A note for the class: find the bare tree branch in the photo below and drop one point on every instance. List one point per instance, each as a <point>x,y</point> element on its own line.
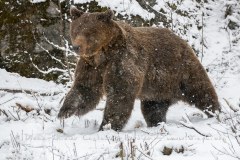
<point>188,124</point>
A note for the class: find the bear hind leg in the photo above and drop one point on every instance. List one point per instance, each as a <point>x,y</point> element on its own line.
<point>154,112</point>
<point>202,95</point>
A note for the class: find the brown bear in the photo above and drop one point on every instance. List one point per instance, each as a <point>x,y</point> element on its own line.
<point>125,63</point>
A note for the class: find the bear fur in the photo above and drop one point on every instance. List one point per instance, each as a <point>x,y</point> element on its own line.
<point>125,63</point>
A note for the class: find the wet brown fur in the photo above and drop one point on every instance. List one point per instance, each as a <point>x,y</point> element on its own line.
<point>125,63</point>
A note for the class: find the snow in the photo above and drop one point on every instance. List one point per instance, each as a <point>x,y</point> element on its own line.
<point>125,7</point>
<point>37,134</point>
<point>15,81</point>
<point>37,1</point>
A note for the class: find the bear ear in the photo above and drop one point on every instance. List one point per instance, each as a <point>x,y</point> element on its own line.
<point>107,16</point>
<point>75,13</point>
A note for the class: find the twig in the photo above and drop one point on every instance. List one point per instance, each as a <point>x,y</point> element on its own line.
<point>225,152</point>
<point>152,145</point>
<point>108,139</point>
<point>54,58</point>
<point>102,155</point>
<point>48,71</point>
<point>7,100</point>
<point>132,145</point>
<point>189,125</point>
<point>52,149</point>
<point>230,106</point>
<point>60,48</point>
<point>146,132</point>
<point>4,112</point>
<point>75,150</point>
<point>121,153</point>
<point>64,40</point>
<point>40,106</point>
<point>66,59</point>
<point>4,143</point>
<point>18,114</point>
<point>229,38</point>
<point>144,154</point>
<point>28,92</point>
<point>15,143</point>
<point>13,115</point>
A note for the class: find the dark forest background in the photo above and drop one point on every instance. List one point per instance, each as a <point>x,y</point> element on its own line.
<point>32,34</point>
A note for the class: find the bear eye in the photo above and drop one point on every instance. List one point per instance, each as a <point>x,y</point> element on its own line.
<point>93,39</point>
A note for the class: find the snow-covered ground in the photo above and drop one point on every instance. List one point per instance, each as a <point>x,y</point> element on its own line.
<point>30,130</point>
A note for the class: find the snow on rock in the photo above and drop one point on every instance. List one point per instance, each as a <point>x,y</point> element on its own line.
<point>37,1</point>
<point>125,7</point>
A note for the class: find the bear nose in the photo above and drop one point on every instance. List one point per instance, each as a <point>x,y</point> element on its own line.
<point>76,49</point>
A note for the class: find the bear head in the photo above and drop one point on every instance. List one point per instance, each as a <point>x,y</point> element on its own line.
<point>90,32</point>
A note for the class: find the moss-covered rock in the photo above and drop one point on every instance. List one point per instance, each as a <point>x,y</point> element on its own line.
<point>26,27</point>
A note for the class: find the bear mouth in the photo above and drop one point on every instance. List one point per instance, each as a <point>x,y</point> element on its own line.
<point>94,59</point>
<point>84,56</point>
<point>90,56</point>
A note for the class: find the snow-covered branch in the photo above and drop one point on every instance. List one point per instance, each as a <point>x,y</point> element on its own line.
<point>188,124</point>
<point>29,91</point>
<point>61,48</point>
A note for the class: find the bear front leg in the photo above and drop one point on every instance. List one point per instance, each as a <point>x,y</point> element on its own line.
<point>79,101</point>
<point>71,103</point>
<point>117,112</point>
<point>121,88</point>
<point>85,92</point>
